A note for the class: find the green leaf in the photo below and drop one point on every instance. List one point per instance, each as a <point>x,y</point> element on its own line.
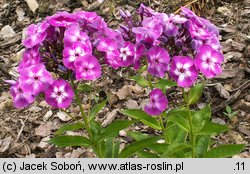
<point>96,128</point>
<point>174,133</point>
<point>113,129</point>
<point>85,88</point>
<point>164,83</point>
<point>180,117</point>
<point>67,141</point>
<point>142,69</point>
<point>228,109</point>
<point>137,146</point>
<point>224,151</point>
<point>174,148</point>
<point>202,145</point>
<point>195,93</point>
<point>200,118</point>
<point>111,148</point>
<point>212,129</point>
<point>144,154</point>
<point>96,109</point>
<point>140,81</point>
<point>137,136</point>
<point>143,117</point>
<point>70,127</point>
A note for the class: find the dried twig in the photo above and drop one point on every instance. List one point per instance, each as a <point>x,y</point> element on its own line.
<point>232,98</point>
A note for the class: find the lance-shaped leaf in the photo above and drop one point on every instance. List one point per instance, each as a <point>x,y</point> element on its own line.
<point>67,141</point>
<point>143,117</point>
<point>224,151</point>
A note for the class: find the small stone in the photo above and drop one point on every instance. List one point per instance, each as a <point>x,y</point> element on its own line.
<point>43,143</point>
<point>31,156</point>
<point>132,104</point>
<point>7,32</point>
<point>5,144</point>
<point>35,109</point>
<point>33,5</point>
<point>143,103</point>
<point>47,115</point>
<point>247,98</point>
<point>18,56</point>
<point>44,130</point>
<point>63,116</point>
<point>109,118</point>
<point>59,155</point>
<point>218,120</point>
<point>77,153</point>
<point>124,92</point>
<point>222,91</point>
<point>43,104</point>
<point>123,133</point>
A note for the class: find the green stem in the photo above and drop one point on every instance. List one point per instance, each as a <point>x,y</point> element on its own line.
<point>150,81</point>
<point>85,119</point>
<point>191,133</point>
<point>163,128</point>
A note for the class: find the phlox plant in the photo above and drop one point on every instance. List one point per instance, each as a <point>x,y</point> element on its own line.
<point>63,58</point>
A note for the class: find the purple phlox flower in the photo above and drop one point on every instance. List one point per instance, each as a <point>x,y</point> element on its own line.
<point>62,19</point>
<point>21,99</point>
<point>126,54</point>
<point>170,23</point>
<point>91,21</point>
<point>71,53</point>
<point>158,102</point>
<point>109,46</point>
<point>158,59</point>
<point>145,35</point>
<point>115,35</point>
<point>73,34</point>
<point>209,61</point>
<point>87,68</point>
<point>35,34</point>
<point>31,56</point>
<point>35,79</point>
<point>60,94</point>
<point>212,41</point>
<point>198,32</point>
<point>187,12</point>
<point>145,11</point>
<point>140,50</point>
<point>10,82</point>
<point>106,45</point>
<point>199,21</point>
<point>183,71</point>
<point>154,25</point>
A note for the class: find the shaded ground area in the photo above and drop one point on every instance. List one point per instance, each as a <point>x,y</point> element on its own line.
<point>23,133</point>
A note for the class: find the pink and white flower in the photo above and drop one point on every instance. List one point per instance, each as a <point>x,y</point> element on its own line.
<point>74,34</point>
<point>71,53</point>
<point>87,68</point>
<point>158,102</point>
<point>35,79</point>
<point>158,59</point>
<point>31,56</point>
<point>183,71</point>
<point>209,61</point>
<point>21,99</point>
<point>60,94</point>
<point>35,34</point>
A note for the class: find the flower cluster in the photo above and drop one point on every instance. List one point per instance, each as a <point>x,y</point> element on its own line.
<point>180,45</point>
<point>74,45</point>
<point>63,46</point>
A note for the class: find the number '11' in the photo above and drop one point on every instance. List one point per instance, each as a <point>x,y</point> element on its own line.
<point>240,166</point>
